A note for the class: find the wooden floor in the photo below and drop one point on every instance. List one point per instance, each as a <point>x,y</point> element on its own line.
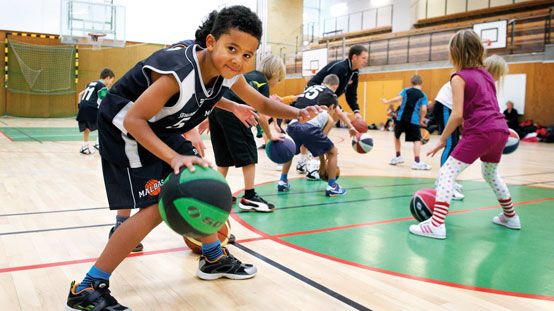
<point>54,223</point>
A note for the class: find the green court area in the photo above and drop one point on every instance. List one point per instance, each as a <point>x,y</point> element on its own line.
<point>45,133</point>
<point>50,134</point>
<point>369,227</point>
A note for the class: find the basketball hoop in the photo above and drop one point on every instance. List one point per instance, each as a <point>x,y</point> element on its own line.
<point>488,43</point>
<point>96,39</point>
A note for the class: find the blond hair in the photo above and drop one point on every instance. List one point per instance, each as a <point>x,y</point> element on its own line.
<point>466,50</point>
<point>496,66</point>
<point>272,66</point>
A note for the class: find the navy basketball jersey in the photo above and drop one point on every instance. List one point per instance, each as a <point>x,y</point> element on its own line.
<point>181,113</point>
<point>257,80</point>
<point>93,94</point>
<point>317,95</point>
<point>412,100</point>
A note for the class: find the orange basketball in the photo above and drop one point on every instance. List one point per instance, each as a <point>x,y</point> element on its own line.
<point>425,136</point>
<point>360,125</point>
<point>223,234</point>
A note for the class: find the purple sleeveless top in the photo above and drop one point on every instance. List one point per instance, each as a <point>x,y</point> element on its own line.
<point>481,111</point>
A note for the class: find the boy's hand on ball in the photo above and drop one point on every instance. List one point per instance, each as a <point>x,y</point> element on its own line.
<point>188,161</point>
<point>277,136</point>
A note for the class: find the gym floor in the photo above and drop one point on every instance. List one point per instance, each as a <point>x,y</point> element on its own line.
<point>313,253</point>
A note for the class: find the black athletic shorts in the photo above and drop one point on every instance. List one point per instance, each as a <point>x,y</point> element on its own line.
<point>413,131</point>
<point>87,116</point>
<point>233,143</point>
<point>92,126</point>
<point>139,187</point>
<point>311,136</point>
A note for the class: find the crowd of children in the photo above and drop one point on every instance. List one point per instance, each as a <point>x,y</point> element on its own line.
<point>143,117</point>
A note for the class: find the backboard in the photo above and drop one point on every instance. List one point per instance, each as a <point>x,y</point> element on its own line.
<point>93,22</point>
<point>313,61</point>
<point>493,34</point>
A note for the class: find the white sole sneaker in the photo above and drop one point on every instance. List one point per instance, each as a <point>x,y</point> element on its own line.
<point>421,166</point>
<point>246,205</point>
<point>426,229</point>
<point>396,160</point>
<point>508,222</point>
<point>457,195</point>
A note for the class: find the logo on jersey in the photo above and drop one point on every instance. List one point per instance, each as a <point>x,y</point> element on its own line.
<point>151,188</point>
<point>257,85</point>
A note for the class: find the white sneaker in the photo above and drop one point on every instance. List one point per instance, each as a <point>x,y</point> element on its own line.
<point>396,160</point>
<point>313,175</point>
<point>279,167</point>
<point>301,167</point>
<point>421,166</point>
<point>425,228</point>
<point>85,150</point>
<point>458,187</point>
<point>508,222</point>
<point>457,195</point>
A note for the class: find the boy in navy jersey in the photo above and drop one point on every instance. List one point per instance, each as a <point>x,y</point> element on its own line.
<point>409,119</point>
<point>140,125</point>
<point>313,134</point>
<point>89,101</point>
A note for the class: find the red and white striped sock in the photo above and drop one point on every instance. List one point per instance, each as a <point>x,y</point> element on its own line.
<point>507,207</point>
<point>439,213</point>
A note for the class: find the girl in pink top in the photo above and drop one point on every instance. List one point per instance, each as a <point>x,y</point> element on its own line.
<point>484,137</point>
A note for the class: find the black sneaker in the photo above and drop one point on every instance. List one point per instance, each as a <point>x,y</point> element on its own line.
<point>137,248</point>
<point>256,203</point>
<point>232,239</point>
<point>94,298</point>
<point>226,266</point>
<point>85,150</point>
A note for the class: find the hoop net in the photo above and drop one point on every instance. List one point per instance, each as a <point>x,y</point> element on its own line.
<point>96,39</point>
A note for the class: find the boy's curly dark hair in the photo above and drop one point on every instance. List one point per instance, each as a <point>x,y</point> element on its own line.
<point>237,16</point>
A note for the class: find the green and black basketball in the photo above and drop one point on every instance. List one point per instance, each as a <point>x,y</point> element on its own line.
<point>195,204</point>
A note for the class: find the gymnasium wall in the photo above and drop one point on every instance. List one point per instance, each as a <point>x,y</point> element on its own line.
<point>91,62</point>
<point>2,64</point>
<point>32,105</point>
<point>119,60</point>
<point>539,93</point>
<point>436,8</point>
<point>284,25</point>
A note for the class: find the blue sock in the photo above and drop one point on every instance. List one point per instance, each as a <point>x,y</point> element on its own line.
<point>284,177</point>
<point>119,220</point>
<point>332,181</point>
<point>212,251</point>
<point>92,275</point>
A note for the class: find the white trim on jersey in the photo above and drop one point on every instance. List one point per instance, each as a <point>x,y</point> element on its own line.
<point>131,151</point>
<point>200,74</point>
<point>131,186</point>
<point>230,82</point>
<point>120,116</point>
<point>186,91</point>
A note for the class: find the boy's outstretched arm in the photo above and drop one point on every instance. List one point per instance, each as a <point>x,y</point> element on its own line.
<point>270,106</point>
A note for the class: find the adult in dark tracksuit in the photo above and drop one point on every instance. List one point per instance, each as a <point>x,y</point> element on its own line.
<point>348,71</point>
<point>442,110</point>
